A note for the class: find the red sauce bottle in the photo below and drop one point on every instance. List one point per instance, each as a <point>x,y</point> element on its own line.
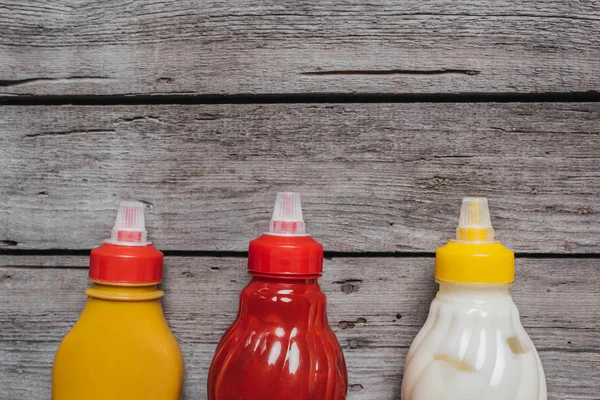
<point>281,347</point>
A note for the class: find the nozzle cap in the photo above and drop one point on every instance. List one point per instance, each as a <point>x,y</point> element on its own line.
<point>285,256</point>
<point>286,251</point>
<point>474,224</point>
<point>287,217</point>
<point>130,226</point>
<point>127,258</point>
<point>474,257</point>
<point>126,265</point>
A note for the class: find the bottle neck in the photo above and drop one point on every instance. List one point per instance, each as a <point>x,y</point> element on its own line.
<point>114,292</point>
<point>470,291</point>
<point>286,279</point>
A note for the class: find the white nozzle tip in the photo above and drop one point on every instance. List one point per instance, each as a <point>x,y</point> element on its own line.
<point>287,215</point>
<point>474,224</point>
<point>475,213</point>
<point>130,226</point>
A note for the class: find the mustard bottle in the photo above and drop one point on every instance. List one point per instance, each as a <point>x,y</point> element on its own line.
<point>121,348</point>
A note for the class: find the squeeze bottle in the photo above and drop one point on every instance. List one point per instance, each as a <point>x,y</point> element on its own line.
<point>281,346</point>
<point>121,347</point>
<point>473,346</point>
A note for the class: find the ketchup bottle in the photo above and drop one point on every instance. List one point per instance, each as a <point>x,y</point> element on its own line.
<point>281,345</point>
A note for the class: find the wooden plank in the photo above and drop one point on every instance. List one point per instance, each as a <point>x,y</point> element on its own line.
<point>109,47</point>
<point>374,177</point>
<point>376,306</point>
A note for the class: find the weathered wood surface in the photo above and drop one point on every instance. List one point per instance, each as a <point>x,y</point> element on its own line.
<point>109,47</point>
<point>374,177</point>
<point>376,306</point>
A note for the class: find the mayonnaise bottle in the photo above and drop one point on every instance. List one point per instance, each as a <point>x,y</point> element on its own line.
<point>473,346</point>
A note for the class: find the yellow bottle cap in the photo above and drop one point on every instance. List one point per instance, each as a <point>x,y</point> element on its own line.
<point>474,256</point>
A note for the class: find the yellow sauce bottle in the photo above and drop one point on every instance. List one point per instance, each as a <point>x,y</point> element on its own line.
<point>121,348</point>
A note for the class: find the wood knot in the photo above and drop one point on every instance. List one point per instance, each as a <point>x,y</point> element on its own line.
<point>345,324</point>
<point>147,204</point>
<point>349,285</point>
<point>349,288</point>
<point>438,181</point>
<point>351,324</point>
<point>357,387</point>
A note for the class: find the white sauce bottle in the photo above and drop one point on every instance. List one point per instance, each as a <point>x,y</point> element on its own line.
<point>473,346</point>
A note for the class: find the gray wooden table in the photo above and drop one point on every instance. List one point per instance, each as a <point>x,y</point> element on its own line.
<point>382,114</point>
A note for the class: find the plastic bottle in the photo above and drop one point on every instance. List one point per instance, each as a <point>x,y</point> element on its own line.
<point>473,346</point>
<point>281,345</point>
<point>121,347</point>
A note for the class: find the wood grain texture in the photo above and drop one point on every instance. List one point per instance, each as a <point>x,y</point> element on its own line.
<point>110,47</point>
<point>376,307</point>
<point>374,177</point>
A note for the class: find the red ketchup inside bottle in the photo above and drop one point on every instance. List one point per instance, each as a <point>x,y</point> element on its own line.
<point>281,345</point>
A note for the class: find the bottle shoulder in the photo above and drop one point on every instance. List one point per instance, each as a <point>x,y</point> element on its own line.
<point>99,360</point>
<point>109,332</point>
<point>280,317</point>
<point>481,344</point>
<point>495,318</point>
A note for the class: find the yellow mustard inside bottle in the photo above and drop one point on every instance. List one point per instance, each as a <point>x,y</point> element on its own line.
<point>121,347</point>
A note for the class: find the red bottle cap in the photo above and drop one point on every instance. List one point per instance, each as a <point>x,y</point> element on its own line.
<point>127,257</point>
<point>126,264</point>
<point>285,255</point>
<point>286,250</point>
